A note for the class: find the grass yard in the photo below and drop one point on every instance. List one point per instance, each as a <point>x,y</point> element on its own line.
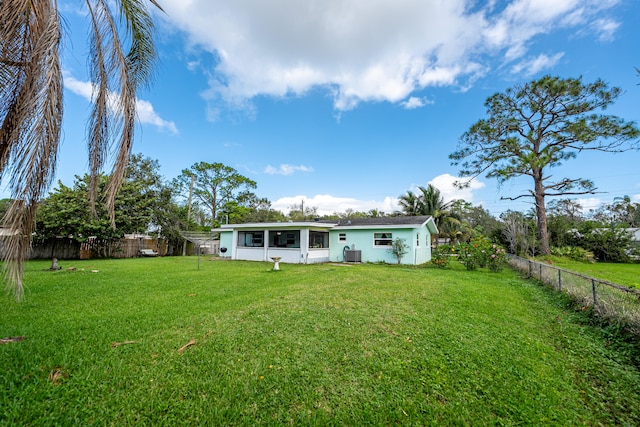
<point>622,274</point>
<point>308,345</point>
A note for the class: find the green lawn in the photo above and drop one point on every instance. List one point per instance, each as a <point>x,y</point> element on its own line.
<point>622,274</point>
<point>308,345</point>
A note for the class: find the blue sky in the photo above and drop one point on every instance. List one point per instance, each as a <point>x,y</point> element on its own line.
<point>347,104</point>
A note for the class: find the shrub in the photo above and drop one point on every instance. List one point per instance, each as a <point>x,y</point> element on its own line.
<point>497,258</point>
<point>399,249</point>
<point>440,255</point>
<point>469,255</point>
<point>575,253</point>
<point>482,253</point>
<point>484,249</point>
<point>607,244</point>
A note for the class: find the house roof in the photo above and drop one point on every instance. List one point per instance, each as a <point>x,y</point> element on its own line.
<point>384,220</point>
<point>388,222</point>
<point>352,223</point>
<point>291,224</point>
<point>635,234</point>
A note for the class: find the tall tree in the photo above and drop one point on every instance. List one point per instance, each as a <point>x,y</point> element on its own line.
<point>138,205</point>
<point>121,57</point>
<point>569,208</point>
<point>300,212</point>
<point>537,126</point>
<point>433,203</point>
<point>564,215</point>
<point>215,185</point>
<point>428,201</point>
<point>5,204</point>
<point>410,203</point>
<point>249,208</point>
<point>476,218</point>
<point>518,233</point>
<point>622,212</point>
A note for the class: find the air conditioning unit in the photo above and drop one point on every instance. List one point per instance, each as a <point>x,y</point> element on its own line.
<point>351,255</point>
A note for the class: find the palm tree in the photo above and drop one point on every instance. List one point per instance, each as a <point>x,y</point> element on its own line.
<point>121,60</point>
<point>429,201</point>
<point>410,204</point>
<point>433,203</point>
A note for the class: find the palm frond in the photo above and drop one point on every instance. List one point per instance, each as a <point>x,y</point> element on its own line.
<point>31,107</point>
<point>31,117</point>
<point>119,73</point>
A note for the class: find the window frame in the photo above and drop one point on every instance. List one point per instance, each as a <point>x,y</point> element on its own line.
<point>286,239</point>
<point>256,243</point>
<point>385,236</point>
<point>324,236</point>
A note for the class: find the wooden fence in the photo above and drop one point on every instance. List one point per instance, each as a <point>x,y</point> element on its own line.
<point>65,248</point>
<point>123,248</point>
<point>61,248</point>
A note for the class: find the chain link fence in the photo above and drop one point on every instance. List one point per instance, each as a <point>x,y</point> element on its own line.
<point>616,303</point>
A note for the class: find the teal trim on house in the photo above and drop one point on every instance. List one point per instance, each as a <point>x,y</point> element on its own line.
<point>323,241</point>
<point>226,239</point>
<point>372,237</point>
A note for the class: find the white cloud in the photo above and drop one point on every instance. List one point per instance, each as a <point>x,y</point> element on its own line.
<point>589,203</point>
<point>445,183</point>
<point>145,110</point>
<point>532,66</point>
<point>193,65</point>
<point>84,89</point>
<point>606,28</point>
<point>147,114</point>
<point>327,204</point>
<point>415,102</point>
<point>231,144</point>
<point>285,169</point>
<point>363,50</point>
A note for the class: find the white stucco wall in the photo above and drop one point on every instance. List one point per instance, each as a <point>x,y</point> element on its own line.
<point>290,255</point>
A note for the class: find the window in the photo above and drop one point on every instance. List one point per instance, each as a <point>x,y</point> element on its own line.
<point>342,237</point>
<point>318,239</point>
<point>251,239</point>
<point>382,239</point>
<point>284,239</point>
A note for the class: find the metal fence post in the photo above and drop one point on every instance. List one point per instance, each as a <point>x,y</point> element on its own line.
<point>559,279</point>
<point>628,314</point>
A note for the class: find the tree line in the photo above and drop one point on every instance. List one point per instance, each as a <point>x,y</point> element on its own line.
<point>207,195</point>
<point>201,198</point>
<point>604,233</point>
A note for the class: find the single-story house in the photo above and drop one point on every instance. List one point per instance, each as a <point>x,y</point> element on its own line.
<point>347,240</point>
<point>635,236</point>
